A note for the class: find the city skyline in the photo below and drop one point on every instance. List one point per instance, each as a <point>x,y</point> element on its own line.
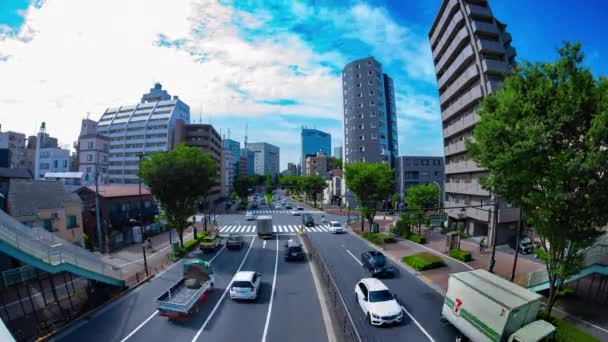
<point>283,52</point>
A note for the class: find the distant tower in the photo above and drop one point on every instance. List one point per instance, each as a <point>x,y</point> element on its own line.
<point>39,143</point>
<point>245,135</point>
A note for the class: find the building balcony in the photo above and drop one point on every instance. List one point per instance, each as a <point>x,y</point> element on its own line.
<point>449,7</point>
<point>449,54</point>
<point>465,56</point>
<point>155,131</point>
<point>494,67</point>
<point>156,140</point>
<point>458,147</point>
<point>465,79</point>
<point>506,37</point>
<point>471,188</point>
<point>478,214</point>
<point>463,167</point>
<point>465,101</point>
<point>130,167</point>
<point>115,167</point>
<point>465,123</point>
<point>490,46</point>
<point>485,28</point>
<point>447,36</point>
<point>478,11</point>
<point>493,86</point>
<point>134,141</point>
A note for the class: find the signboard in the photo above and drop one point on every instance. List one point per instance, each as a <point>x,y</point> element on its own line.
<point>437,219</point>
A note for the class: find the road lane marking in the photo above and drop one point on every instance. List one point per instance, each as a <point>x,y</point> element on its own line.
<point>198,333</point>
<point>140,326</point>
<point>354,257</point>
<point>218,253</point>
<point>264,244</point>
<point>274,284</point>
<point>418,324</point>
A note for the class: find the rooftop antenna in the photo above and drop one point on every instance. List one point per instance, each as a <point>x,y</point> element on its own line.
<point>200,115</point>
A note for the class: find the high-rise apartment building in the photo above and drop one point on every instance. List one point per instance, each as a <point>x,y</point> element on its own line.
<point>313,141</point>
<point>266,161</point>
<point>208,140</point>
<point>472,54</point>
<point>93,152</point>
<point>235,155</point>
<point>15,143</point>
<point>292,168</point>
<point>370,119</point>
<point>417,170</point>
<point>338,152</point>
<point>146,127</point>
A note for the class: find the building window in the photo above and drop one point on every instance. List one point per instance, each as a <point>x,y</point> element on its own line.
<point>89,169</point>
<point>374,136</point>
<point>55,164</point>
<point>360,116</point>
<point>361,148</point>
<point>373,125</point>
<point>70,222</point>
<point>89,157</point>
<point>358,85</point>
<point>65,163</point>
<point>372,115</point>
<point>105,158</point>
<point>90,145</point>
<point>361,137</point>
<point>48,224</point>
<point>372,103</point>
<point>361,126</point>
<point>105,147</point>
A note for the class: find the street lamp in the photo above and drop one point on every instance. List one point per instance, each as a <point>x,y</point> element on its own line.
<point>438,197</point>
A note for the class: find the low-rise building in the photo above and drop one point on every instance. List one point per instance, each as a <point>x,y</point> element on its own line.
<point>93,150</point>
<point>15,143</point>
<point>67,178</point>
<point>6,174</point>
<point>317,165</point>
<point>418,170</point>
<point>48,205</point>
<point>118,205</point>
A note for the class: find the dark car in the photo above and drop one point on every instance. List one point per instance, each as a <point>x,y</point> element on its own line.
<point>234,240</point>
<point>293,250</point>
<point>525,245</point>
<point>308,220</point>
<point>376,264</point>
<point>288,206</point>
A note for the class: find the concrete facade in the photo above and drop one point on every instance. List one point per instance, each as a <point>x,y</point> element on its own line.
<point>418,170</point>
<point>146,127</point>
<point>317,165</point>
<point>15,143</point>
<point>472,54</point>
<point>369,113</point>
<point>93,152</point>
<point>313,141</point>
<point>266,160</point>
<point>337,152</point>
<point>208,140</point>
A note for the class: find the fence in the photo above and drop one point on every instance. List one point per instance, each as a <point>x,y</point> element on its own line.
<point>343,324</point>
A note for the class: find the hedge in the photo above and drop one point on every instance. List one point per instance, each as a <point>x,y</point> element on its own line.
<point>461,255</point>
<point>567,332</point>
<point>417,238</point>
<point>188,245</point>
<point>378,238</point>
<point>423,261</point>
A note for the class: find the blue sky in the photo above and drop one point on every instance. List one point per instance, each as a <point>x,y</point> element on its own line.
<point>273,65</point>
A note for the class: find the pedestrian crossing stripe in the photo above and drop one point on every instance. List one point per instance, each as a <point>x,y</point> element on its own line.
<point>275,228</point>
<point>277,211</point>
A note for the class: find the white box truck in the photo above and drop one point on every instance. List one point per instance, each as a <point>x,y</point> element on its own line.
<point>486,307</point>
<point>264,227</point>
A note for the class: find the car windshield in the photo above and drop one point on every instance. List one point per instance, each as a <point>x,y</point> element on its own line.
<point>378,260</point>
<point>208,239</point>
<point>234,238</point>
<point>335,224</point>
<point>241,284</point>
<point>300,208</point>
<point>380,296</point>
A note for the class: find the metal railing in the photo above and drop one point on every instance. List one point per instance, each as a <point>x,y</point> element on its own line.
<point>344,326</point>
<point>51,249</point>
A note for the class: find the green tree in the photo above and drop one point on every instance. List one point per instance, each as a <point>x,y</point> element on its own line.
<point>313,186</point>
<point>336,163</point>
<point>395,201</point>
<point>419,200</point>
<point>268,184</point>
<point>544,140</point>
<point>371,183</point>
<point>178,178</point>
<point>242,184</point>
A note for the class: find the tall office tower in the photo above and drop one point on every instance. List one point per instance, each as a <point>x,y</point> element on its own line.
<point>146,127</point>
<point>266,161</point>
<point>370,119</point>
<point>313,141</point>
<point>472,54</point>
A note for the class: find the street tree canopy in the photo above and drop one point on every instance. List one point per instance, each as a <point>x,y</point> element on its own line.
<point>312,186</point>
<point>544,140</point>
<point>420,198</point>
<point>178,178</point>
<point>371,183</point>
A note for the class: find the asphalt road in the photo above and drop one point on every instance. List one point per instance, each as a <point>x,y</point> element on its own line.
<point>289,313</point>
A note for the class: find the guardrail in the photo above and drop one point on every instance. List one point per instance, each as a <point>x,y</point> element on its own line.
<point>50,249</point>
<point>344,326</point>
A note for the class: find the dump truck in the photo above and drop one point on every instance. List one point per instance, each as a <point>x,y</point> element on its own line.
<point>264,227</point>
<point>183,298</point>
<point>485,307</point>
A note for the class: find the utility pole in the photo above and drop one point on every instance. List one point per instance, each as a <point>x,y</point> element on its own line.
<point>521,223</point>
<point>141,222</point>
<point>494,234</point>
<point>100,236</point>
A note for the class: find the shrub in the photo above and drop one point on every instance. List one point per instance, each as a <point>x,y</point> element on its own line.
<point>443,230</point>
<point>423,261</point>
<point>417,238</point>
<point>88,244</point>
<point>378,238</point>
<point>565,331</point>
<point>461,255</point>
<point>188,245</point>
<point>389,239</point>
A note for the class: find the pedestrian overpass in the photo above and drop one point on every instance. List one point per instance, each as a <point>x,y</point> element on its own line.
<point>42,249</point>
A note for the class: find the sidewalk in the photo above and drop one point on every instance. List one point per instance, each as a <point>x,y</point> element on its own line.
<point>591,318</point>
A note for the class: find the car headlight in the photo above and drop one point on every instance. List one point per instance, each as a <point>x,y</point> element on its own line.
<point>375,316</point>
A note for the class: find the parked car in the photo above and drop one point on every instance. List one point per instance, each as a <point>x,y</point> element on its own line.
<point>278,206</point>
<point>249,216</point>
<point>336,227</point>
<point>377,302</point>
<point>375,263</point>
<point>293,250</point>
<point>288,206</point>
<point>296,212</point>
<point>308,220</point>
<point>245,285</point>
<point>234,240</point>
<point>525,245</point>
<point>210,243</point>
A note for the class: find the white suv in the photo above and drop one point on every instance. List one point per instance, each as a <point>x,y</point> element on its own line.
<point>377,302</point>
<point>335,227</point>
<point>245,285</point>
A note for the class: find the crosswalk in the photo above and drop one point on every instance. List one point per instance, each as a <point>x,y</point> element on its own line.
<point>323,228</point>
<point>271,211</point>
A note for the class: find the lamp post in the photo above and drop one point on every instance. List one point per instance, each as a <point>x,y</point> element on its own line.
<point>141,222</point>
<point>438,197</point>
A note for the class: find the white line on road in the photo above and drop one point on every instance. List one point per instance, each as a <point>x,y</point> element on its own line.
<point>274,284</point>
<point>418,324</point>
<point>140,326</point>
<point>264,244</point>
<point>198,333</point>
<point>354,257</point>
<point>218,253</point>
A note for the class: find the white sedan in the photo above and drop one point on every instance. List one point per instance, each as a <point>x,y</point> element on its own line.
<point>249,216</point>
<point>336,227</point>
<point>296,212</point>
<point>377,302</point>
